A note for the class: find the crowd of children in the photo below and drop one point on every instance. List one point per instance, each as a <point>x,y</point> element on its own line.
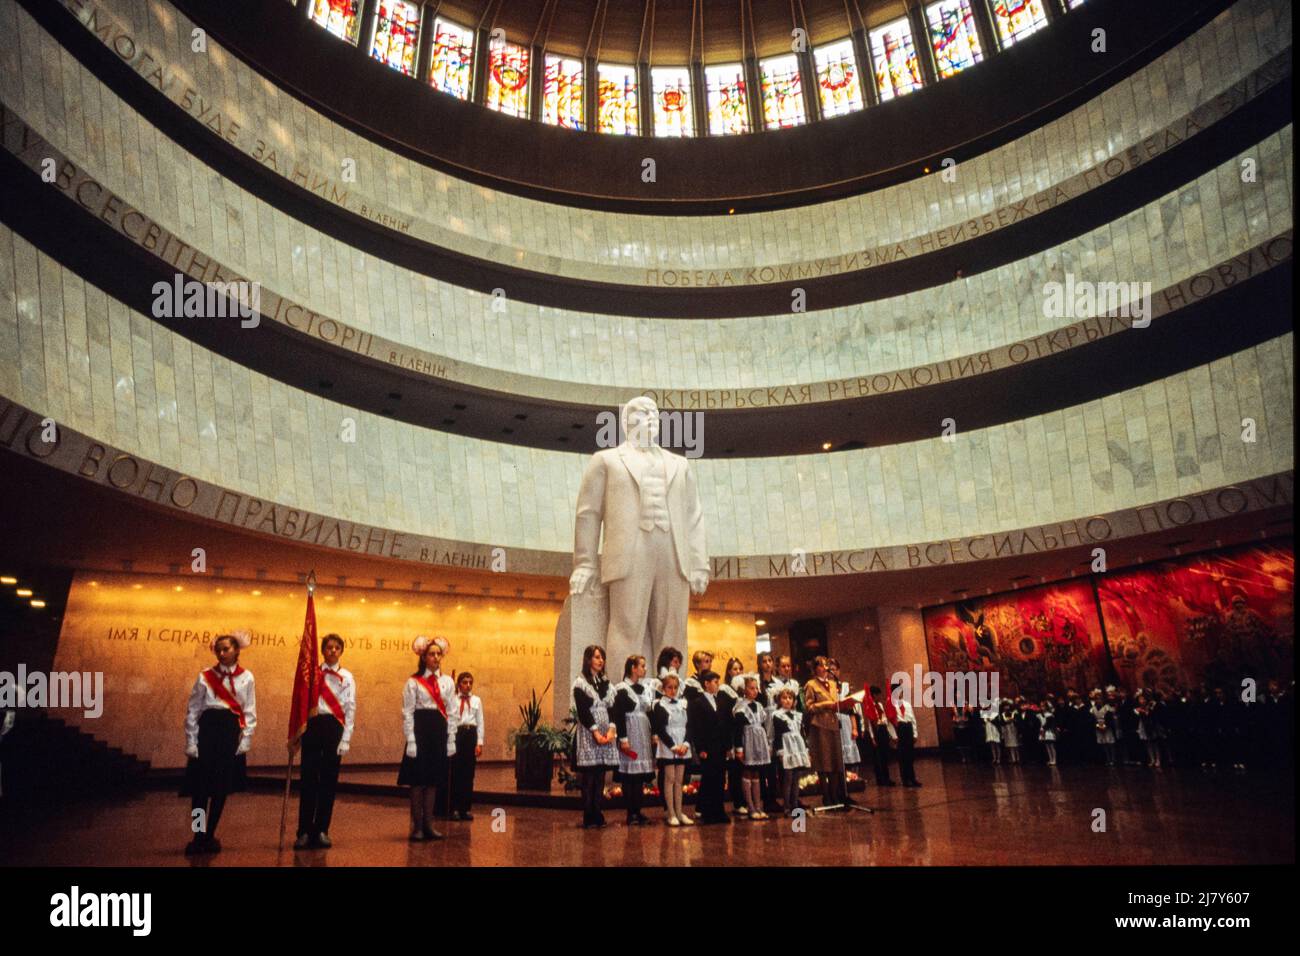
<point>751,737</point>
<point>442,725</point>
<point>1208,727</point>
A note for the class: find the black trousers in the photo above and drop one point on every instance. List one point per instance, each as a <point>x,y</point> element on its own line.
<point>880,753</point>
<point>320,773</point>
<point>462,769</point>
<point>713,780</point>
<point>906,752</point>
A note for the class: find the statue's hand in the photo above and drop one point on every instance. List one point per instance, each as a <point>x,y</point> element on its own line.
<point>699,582</point>
<point>579,580</point>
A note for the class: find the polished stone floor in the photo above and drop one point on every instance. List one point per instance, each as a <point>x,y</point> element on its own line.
<point>964,815</point>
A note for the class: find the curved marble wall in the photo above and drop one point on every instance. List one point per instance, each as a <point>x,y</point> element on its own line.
<point>70,352</point>
<point>1192,229</point>
<point>551,239</point>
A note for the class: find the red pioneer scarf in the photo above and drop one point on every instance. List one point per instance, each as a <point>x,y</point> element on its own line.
<point>431,685</point>
<point>327,695</point>
<point>214,679</point>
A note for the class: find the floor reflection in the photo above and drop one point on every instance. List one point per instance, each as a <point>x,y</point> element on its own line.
<point>965,814</point>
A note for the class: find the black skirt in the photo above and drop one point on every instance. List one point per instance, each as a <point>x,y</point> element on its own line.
<point>429,766</point>
<point>218,769</point>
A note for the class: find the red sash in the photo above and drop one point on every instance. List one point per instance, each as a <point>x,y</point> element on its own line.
<point>327,695</point>
<point>225,696</point>
<point>434,691</point>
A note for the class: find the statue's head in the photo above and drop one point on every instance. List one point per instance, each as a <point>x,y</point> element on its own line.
<point>640,421</point>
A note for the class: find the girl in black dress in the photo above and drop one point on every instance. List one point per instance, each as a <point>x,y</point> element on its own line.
<point>429,726</point>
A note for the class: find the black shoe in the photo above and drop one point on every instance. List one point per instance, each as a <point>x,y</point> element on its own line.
<point>303,841</point>
<point>431,834</point>
<point>417,836</point>
<point>323,840</point>
<point>195,846</point>
<point>912,783</point>
<point>213,846</point>
<point>639,820</point>
<point>466,815</point>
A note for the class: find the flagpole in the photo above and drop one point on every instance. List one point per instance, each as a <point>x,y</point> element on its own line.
<point>288,770</point>
<point>284,807</point>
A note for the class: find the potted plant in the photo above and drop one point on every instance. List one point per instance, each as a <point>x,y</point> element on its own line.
<point>535,744</point>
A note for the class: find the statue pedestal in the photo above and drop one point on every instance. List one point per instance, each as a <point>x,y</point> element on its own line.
<point>584,620</point>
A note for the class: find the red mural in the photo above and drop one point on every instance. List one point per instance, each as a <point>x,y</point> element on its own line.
<point>1039,640</point>
<point>1215,617</point>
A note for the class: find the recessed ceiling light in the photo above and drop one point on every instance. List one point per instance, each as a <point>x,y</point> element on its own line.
<point>37,602</point>
<point>760,623</point>
<point>8,580</point>
<point>24,592</point>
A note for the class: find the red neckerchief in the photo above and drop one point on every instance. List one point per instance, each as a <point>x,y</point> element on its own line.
<point>434,691</point>
<point>214,679</point>
<point>464,699</point>
<point>327,695</point>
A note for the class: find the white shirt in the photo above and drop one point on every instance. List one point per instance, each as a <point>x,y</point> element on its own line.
<point>906,713</point>
<point>203,698</point>
<point>344,688</point>
<point>416,697</point>
<point>469,713</point>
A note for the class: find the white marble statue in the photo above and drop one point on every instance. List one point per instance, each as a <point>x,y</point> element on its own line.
<point>646,501</point>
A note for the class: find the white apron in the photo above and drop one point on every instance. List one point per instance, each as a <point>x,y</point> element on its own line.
<point>638,732</point>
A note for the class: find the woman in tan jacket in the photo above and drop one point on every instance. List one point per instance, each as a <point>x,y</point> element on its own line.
<point>820,704</point>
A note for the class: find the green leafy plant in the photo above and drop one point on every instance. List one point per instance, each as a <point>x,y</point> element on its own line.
<point>531,712</point>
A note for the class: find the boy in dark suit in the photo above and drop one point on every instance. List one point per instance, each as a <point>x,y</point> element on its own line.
<point>708,730</point>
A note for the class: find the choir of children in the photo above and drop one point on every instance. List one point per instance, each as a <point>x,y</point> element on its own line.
<point>761,726</point>
<point>1201,727</point>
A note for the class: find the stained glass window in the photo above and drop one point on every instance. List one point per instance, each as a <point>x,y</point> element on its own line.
<point>562,85</point>
<point>728,102</point>
<point>672,101</point>
<point>953,36</point>
<point>507,81</point>
<point>616,100</point>
<point>894,59</point>
<point>397,29</point>
<point>452,58</point>
<point>783,103</point>
<point>340,17</point>
<point>1016,19</point>
<point>838,86</point>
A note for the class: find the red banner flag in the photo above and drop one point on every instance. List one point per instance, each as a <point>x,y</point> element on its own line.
<point>306,678</point>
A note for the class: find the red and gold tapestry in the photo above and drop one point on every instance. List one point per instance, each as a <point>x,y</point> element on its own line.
<point>1038,640</point>
<point>1216,617</point>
